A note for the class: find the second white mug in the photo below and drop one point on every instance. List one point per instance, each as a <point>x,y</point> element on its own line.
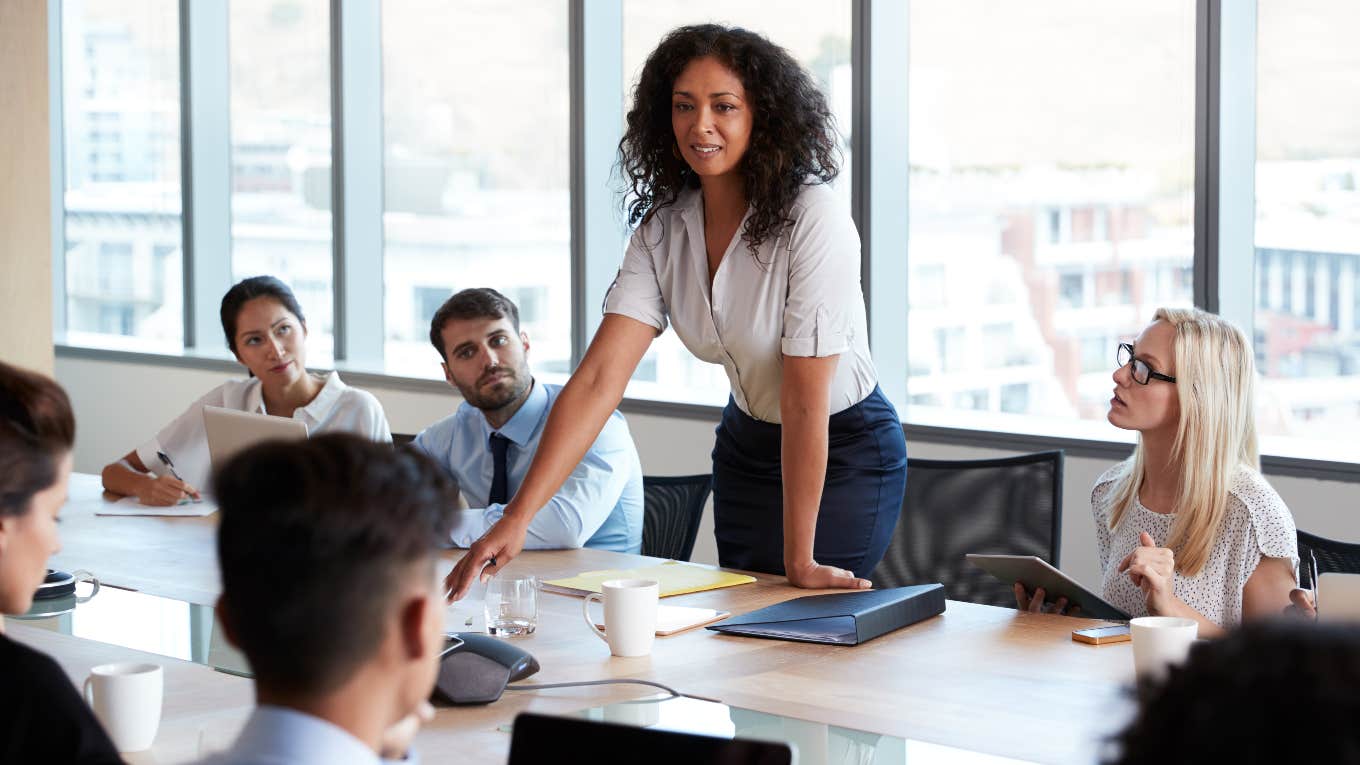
<point>126,698</point>
<point>629,615</point>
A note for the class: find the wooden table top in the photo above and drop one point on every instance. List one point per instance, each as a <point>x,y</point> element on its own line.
<point>977,677</point>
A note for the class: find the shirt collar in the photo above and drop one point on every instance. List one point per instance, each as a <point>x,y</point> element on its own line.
<point>296,737</point>
<point>520,429</point>
<point>326,398</point>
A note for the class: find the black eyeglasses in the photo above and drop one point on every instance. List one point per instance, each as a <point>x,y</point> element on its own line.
<point>1142,373</point>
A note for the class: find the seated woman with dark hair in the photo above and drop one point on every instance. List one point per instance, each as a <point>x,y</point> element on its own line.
<point>42,718</point>
<point>267,333</point>
<point>1276,691</point>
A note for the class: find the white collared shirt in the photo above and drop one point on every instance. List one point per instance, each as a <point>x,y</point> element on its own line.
<point>799,295</point>
<point>281,736</point>
<point>337,407</point>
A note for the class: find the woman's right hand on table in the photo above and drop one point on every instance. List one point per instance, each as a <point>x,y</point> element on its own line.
<point>166,490</point>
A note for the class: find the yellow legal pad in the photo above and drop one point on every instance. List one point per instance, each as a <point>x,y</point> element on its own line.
<point>673,578</point>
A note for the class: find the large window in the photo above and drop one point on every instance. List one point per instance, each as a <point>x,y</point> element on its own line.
<point>1031,177</point>
<point>281,154</point>
<point>1308,218</point>
<point>1051,195</point>
<point>817,33</point>
<point>475,107</point>
<point>120,68</point>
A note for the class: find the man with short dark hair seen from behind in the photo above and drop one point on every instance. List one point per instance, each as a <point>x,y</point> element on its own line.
<point>327,549</point>
<point>488,443</point>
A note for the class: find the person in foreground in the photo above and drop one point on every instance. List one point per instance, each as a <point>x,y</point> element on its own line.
<point>743,246</point>
<point>42,718</point>
<point>1187,526</point>
<point>267,333</point>
<point>488,443</point>
<point>1271,692</point>
<point>327,548</point>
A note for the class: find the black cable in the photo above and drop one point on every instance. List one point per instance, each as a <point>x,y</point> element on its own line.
<point>544,686</point>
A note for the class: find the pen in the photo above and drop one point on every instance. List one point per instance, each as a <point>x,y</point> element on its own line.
<point>166,460</point>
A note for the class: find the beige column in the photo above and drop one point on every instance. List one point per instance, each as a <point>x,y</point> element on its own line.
<point>25,187</point>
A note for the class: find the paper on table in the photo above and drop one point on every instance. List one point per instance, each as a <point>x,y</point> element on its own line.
<point>130,506</point>
<point>674,578</point>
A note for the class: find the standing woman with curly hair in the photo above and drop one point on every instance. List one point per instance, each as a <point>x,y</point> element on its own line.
<point>744,248</point>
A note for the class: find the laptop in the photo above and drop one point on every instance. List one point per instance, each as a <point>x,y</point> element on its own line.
<point>540,738</point>
<point>231,430</point>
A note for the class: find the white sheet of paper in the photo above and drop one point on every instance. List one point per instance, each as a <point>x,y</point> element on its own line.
<point>130,506</point>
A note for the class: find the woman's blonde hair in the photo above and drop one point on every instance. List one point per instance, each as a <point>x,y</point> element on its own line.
<point>1216,434</point>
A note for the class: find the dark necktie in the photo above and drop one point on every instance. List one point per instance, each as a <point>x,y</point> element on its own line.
<point>500,483</point>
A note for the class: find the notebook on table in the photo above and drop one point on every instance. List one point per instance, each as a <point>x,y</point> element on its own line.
<point>847,618</point>
<point>673,578</point>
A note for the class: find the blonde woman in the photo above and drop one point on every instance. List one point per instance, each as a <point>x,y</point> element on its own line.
<point>1187,526</point>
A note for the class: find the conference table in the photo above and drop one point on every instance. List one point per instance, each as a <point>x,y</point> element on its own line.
<point>976,679</point>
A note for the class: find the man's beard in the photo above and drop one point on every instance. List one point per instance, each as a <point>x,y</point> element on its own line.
<point>508,389</point>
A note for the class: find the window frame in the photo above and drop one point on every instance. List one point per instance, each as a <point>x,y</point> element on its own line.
<point>1224,202</point>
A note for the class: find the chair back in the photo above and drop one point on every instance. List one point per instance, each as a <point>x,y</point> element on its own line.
<point>402,439</point>
<point>1009,506</point>
<point>672,509</point>
<point>1331,557</point>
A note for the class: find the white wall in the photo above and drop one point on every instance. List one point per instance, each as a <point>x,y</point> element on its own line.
<point>25,185</point>
<point>120,404</point>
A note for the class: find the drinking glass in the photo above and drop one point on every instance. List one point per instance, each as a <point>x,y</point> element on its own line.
<point>512,605</point>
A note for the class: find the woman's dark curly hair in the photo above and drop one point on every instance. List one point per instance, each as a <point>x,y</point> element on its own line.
<point>793,135</point>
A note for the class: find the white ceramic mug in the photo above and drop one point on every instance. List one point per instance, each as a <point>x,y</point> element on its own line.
<point>629,615</point>
<point>1159,642</point>
<point>126,698</point>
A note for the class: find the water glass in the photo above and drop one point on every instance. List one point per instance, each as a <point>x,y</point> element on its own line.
<point>512,605</point>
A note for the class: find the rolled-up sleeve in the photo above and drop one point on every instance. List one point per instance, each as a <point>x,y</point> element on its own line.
<point>636,293</point>
<point>185,441</point>
<point>824,286</point>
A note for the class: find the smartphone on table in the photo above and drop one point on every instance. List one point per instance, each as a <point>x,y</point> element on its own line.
<point>1111,633</point>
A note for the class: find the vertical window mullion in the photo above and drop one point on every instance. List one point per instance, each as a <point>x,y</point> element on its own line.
<point>205,145</point>
<point>881,169</point>
<point>357,180</point>
<point>596,50</point>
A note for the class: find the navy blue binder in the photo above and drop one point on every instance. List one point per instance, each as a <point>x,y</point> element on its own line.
<point>847,618</point>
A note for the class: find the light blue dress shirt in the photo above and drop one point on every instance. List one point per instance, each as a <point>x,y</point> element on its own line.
<point>599,506</point>
<point>281,736</point>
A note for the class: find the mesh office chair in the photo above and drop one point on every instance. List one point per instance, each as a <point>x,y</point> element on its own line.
<point>672,509</point>
<point>1331,556</point>
<point>1008,506</point>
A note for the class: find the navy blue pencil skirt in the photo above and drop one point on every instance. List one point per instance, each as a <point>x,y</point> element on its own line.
<point>866,474</point>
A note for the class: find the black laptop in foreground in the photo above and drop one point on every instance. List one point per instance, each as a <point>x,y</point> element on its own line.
<point>540,738</point>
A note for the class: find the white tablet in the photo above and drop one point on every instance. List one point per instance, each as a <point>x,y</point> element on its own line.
<point>1035,572</point>
<point>230,430</point>
<point>1338,597</point>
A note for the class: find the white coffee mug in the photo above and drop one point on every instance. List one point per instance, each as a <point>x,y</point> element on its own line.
<point>1159,642</point>
<point>629,615</point>
<point>126,698</point>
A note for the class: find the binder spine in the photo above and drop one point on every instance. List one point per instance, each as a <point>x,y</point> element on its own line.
<point>890,616</point>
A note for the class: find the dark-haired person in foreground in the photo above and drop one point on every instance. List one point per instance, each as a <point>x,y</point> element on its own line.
<point>1278,691</point>
<point>267,333</point>
<point>327,548</point>
<point>42,718</point>
<point>488,443</point>
<point>744,248</point>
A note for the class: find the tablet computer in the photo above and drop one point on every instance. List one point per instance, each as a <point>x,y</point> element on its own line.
<point>1035,572</point>
<point>1338,597</point>
<point>231,430</point>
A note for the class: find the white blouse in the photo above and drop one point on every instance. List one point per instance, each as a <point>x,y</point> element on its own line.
<point>1257,525</point>
<point>337,407</point>
<point>799,295</point>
